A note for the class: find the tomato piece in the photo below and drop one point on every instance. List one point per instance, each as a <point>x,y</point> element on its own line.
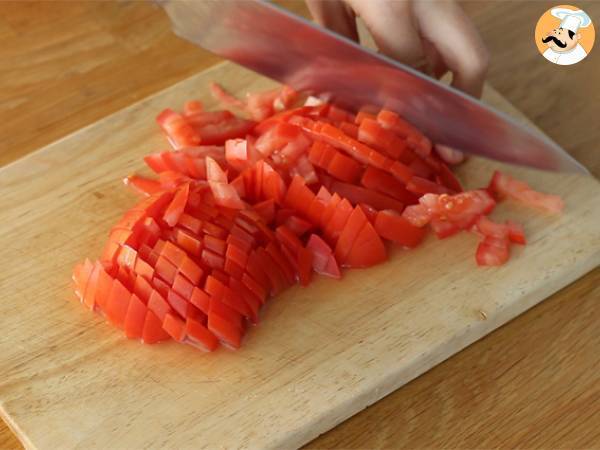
<point>224,194</point>
<point>503,185</point>
<point>448,178</point>
<point>276,138</point>
<point>330,210</point>
<point>158,305</point>
<point>297,225</point>
<point>352,228</point>
<point>373,134</point>
<point>349,129</point>
<point>489,228</point>
<point>81,276</point>
<point>143,185</point>
<point>367,250</point>
<point>174,326</point>
<point>492,251</point>
<point>287,238</point>
<point>226,98</point>
<point>392,226</point>
<point>177,129</point>
<point>103,287</point>
<point>361,116</point>
<point>266,210</point>
<point>338,220</point>
<point>117,304</point>
<point>200,336</point>
<point>335,163</point>
<point>236,154</point>
<point>177,206</point>
<point>339,114</point>
<point>305,265</point>
<point>422,169</point>
<point>219,133</point>
<point>156,162</point>
<point>212,260</point>
<point>443,228</point>
<point>323,261</point>
<point>393,122</point>
<point>153,331</point>
<point>201,118</point>
<point>357,194</point>
<point>422,186</point>
<point>292,151</point>
<point>192,106</point>
<point>173,253</point>
<point>135,318</point>
<point>182,286</point>
<point>299,196</point>
<point>273,250</point>
<point>224,330</point>
<point>273,186</point>
<point>516,233</point>
<point>200,300</point>
<point>381,181</point>
<point>142,289</point>
<point>305,169</point>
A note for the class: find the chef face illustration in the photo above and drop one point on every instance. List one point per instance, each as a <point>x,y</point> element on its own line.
<point>563,40</point>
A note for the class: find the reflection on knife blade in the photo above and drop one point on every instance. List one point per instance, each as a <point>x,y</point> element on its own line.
<point>291,50</point>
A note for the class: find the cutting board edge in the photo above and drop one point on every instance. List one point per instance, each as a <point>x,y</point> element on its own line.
<point>427,361</point>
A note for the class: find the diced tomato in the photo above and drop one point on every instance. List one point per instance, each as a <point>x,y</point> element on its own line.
<point>223,226</point>
<point>179,132</point>
<point>225,194</point>
<point>266,209</point>
<point>177,206</point>
<point>381,181</point>
<point>192,107</point>
<point>135,318</point>
<point>227,99</point>
<point>503,185</point>
<point>153,331</point>
<point>200,336</point>
<point>355,223</point>
<point>367,250</point>
<point>492,251</point>
<point>422,186</point>
<point>200,118</point>
<point>323,261</point>
<point>219,133</point>
<point>117,304</point>
<point>143,185</point>
<point>443,228</point>
<point>357,194</point>
<point>516,233</point>
<point>392,226</point>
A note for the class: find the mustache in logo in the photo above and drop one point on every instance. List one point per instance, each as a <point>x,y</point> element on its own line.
<point>556,41</point>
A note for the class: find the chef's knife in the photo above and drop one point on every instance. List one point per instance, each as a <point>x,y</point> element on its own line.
<point>292,50</point>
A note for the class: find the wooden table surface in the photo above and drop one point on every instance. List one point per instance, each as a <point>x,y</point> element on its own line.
<point>532,383</point>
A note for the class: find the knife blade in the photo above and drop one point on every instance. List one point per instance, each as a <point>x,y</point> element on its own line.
<point>287,48</point>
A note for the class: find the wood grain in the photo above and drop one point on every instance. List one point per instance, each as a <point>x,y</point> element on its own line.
<point>64,101</point>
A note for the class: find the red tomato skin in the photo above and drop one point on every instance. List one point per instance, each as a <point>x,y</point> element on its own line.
<point>492,252</point>
<point>392,226</point>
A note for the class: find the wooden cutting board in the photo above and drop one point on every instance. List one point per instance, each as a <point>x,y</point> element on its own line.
<point>321,354</point>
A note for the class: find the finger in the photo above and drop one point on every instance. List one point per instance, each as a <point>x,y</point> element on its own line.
<point>335,15</point>
<point>393,30</point>
<point>449,155</point>
<point>454,36</point>
<point>435,63</point>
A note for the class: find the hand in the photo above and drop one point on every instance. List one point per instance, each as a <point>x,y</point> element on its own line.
<point>435,36</point>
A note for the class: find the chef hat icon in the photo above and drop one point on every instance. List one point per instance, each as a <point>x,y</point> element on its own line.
<point>570,19</point>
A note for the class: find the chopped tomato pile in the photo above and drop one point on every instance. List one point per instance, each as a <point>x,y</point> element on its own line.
<point>245,206</point>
